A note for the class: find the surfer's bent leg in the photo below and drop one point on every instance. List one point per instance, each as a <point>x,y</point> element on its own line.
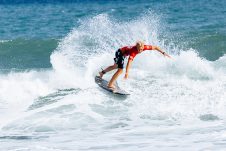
<point>108,69</point>
<point>119,61</point>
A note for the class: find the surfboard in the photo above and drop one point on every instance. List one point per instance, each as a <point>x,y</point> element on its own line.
<point>103,84</point>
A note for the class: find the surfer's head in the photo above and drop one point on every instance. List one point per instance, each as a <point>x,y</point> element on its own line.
<point>140,46</point>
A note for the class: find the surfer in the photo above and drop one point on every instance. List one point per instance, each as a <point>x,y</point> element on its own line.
<point>120,55</point>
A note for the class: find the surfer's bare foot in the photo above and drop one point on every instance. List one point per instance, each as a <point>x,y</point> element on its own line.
<point>101,74</point>
<point>111,87</point>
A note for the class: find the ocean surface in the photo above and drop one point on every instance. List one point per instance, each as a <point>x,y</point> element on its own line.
<point>50,52</point>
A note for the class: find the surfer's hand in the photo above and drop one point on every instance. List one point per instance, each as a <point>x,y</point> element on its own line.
<point>166,55</point>
<point>126,76</point>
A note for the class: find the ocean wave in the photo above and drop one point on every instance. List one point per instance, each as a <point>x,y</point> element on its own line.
<point>161,89</point>
<point>210,46</point>
<point>26,53</point>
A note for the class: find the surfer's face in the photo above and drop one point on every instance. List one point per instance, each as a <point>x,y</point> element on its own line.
<point>140,48</point>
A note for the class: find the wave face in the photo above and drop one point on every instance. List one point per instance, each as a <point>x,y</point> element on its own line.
<point>58,106</point>
<point>23,54</point>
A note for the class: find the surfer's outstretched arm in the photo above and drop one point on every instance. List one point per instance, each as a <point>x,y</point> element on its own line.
<point>127,68</point>
<point>159,50</point>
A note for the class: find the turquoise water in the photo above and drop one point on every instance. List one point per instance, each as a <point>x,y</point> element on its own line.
<point>190,24</point>
<point>51,51</point>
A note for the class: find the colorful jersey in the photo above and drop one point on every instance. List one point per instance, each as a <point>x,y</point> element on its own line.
<point>132,51</point>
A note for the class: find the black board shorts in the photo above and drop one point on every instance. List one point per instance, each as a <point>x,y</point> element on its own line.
<point>119,59</point>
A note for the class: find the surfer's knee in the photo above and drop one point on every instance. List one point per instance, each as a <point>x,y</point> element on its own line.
<point>115,66</point>
<point>120,70</point>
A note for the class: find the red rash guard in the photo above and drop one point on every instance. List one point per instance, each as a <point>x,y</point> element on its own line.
<point>132,51</point>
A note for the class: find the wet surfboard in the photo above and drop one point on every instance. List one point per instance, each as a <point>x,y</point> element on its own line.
<point>103,84</point>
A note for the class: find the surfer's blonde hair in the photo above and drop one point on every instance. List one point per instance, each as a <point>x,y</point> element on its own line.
<point>140,44</point>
